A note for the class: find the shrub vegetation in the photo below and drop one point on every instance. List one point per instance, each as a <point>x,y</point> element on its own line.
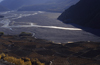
<point>37,62</point>
<point>1,33</point>
<point>20,61</point>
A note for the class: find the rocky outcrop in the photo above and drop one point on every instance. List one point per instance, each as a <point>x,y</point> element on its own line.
<point>85,13</point>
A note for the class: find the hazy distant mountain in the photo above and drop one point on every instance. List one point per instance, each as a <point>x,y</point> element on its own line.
<point>53,5</point>
<point>15,4</point>
<point>3,8</point>
<point>85,13</point>
<point>43,5</point>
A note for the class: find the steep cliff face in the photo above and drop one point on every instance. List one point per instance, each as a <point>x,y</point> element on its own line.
<point>85,13</point>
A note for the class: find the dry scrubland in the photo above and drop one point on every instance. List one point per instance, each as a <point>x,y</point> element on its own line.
<point>24,49</point>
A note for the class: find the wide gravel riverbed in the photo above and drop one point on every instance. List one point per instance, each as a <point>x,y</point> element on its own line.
<point>44,25</point>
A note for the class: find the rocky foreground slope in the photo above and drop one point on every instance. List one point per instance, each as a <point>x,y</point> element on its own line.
<point>85,13</point>
<point>78,53</point>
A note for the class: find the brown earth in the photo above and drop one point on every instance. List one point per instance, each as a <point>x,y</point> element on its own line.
<point>77,53</point>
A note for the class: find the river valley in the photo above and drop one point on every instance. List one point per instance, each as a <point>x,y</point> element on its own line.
<point>44,25</point>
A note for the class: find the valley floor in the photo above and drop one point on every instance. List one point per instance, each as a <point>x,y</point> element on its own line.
<point>45,26</point>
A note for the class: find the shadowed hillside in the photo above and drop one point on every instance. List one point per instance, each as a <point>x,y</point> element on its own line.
<point>85,13</point>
